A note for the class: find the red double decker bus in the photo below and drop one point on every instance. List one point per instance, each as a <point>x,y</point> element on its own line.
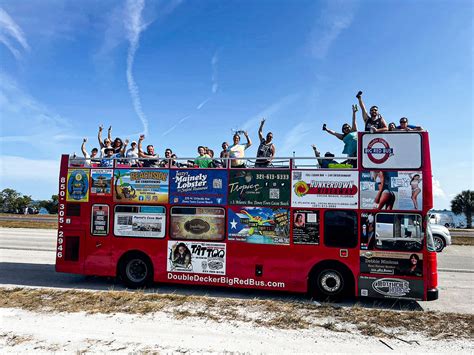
<point>331,232</point>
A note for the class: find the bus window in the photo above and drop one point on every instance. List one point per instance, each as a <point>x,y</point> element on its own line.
<point>340,229</point>
<point>398,232</point>
<point>198,223</point>
<point>140,221</point>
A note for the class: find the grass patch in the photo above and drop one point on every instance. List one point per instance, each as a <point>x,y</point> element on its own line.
<point>462,240</point>
<point>29,224</point>
<point>262,313</point>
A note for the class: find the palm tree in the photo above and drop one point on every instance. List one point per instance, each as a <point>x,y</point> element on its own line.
<point>464,202</point>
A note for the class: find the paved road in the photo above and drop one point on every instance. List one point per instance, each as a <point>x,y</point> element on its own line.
<point>27,259</point>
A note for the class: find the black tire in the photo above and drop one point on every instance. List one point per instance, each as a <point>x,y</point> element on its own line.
<point>439,243</point>
<point>136,271</point>
<point>330,284</point>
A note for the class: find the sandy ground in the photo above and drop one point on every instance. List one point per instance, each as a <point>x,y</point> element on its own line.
<point>23,331</point>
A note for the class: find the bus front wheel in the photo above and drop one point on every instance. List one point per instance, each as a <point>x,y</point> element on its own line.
<point>136,271</point>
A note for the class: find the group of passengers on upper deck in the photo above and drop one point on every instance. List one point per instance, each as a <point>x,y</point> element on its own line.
<point>135,156</point>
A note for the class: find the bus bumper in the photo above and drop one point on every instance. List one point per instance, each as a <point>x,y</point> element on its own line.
<point>432,294</point>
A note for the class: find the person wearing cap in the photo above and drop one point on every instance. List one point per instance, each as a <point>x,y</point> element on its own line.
<point>324,163</point>
<point>404,126</point>
<point>89,158</point>
<point>108,160</point>
<point>132,154</point>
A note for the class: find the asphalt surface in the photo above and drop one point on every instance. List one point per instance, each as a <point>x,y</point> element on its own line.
<point>27,258</point>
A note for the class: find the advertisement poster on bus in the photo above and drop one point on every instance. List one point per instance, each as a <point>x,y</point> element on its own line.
<point>203,223</point>
<point>325,189</point>
<point>144,186</point>
<point>100,220</point>
<point>204,187</point>
<point>77,185</point>
<point>391,263</point>
<point>196,257</point>
<point>367,231</point>
<point>101,182</point>
<point>390,287</point>
<point>259,188</point>
<point>398,190</point>
<point>305,227</point>
<point>391,151</point>
<point>140,221</point>
<point>259,225</point>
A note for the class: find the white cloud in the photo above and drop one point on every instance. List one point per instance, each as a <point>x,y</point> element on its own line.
<point>437,190</point>
<point>10,29</point>
<point>214,62</point>
<point>336,16</point>
<point>201,105</point>
<point>134,25</point>
<point>293,138</point>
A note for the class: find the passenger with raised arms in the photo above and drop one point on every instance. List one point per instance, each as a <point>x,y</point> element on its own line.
<point>237,151</point>
<point>89,158</point>
<point>348,136</point>
<point>375,122</point>
<point>106,143</point>
<point>151,160</point>
<point>266,149</point>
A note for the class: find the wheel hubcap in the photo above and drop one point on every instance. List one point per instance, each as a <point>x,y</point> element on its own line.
<point>136,270</point>
<point>331,281</point>
<point>438,243</point>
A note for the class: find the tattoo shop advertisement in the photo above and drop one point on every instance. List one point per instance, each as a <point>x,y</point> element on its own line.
<point>197,257</point>
<point>400,189</point>
<point>391,263</point>
<point>203,223</point>
<point>259,188</point>
<point>101,182</point>
<point>148,222</point>
<point>77,185</point>
<point>305,227</point>
<point>205,187</point>
<point>144,186</point>
<point>100,220</point>
<point>259,225</point>
<point>390,287</point>
<point>325,189</point>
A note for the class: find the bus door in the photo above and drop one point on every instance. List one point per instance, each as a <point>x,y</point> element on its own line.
<point>98,253</point>
<point>341,237</point>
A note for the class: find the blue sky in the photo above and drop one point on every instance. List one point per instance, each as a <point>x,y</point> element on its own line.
<point>187,72</point>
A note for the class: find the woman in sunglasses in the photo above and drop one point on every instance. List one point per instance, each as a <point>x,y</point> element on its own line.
<point>348,136</point>
<point>404,126</point>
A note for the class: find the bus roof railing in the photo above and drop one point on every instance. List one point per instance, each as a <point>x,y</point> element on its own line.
<point>189,162</point>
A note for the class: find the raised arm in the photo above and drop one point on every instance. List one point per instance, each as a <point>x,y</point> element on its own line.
<point>365,116</point>
<point>83,147</point>
<point>317,155</point>
<point>109,134</point>
<point>260,130</point>
<point>334,133</point>
<point>99,137</point>
<point>249,142</point>
<point>140,150</point>
<point>124,147</point>
<point>354,121</point>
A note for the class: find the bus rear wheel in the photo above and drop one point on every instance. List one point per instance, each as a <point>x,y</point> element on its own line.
<point>136,271</point>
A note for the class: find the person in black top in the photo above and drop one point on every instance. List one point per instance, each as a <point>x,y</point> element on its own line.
<point>375,122</point>
<point>150,153</point>
<point>266,149</point>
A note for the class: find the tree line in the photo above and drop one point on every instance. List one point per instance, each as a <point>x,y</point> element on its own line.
<point>12,201</point>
